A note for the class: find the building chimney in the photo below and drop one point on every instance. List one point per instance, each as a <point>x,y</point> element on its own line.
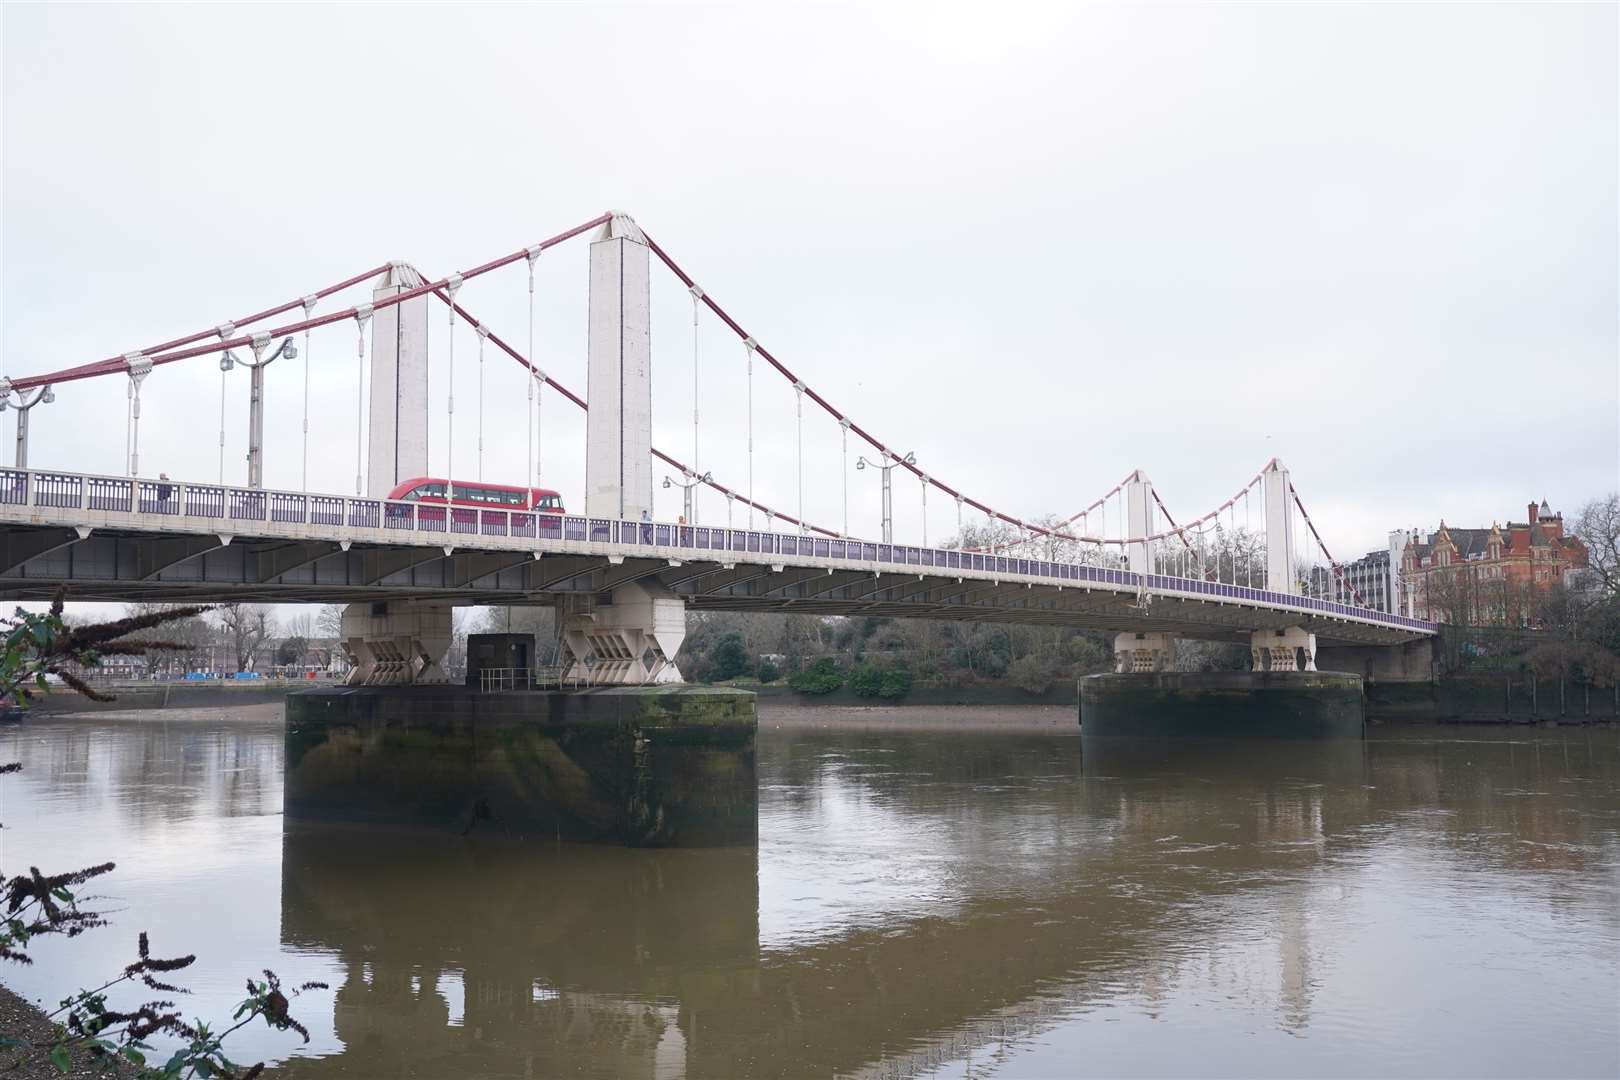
<point>1533,515</point>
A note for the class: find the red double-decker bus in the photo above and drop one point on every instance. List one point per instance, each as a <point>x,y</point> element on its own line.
<point>476,493</point>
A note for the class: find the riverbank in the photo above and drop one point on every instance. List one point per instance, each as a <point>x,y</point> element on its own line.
<point>1492,699</point>
<point>1495,699</point>
<point>24,1020</point>
<point>176,695</point>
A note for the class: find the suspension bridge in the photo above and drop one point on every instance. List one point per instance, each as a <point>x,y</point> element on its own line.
<point>621,579</point>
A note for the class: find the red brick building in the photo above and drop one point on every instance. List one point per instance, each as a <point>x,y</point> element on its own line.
<point>1494,576</point>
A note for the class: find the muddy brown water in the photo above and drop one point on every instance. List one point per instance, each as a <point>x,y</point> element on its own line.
<point>951,892</point>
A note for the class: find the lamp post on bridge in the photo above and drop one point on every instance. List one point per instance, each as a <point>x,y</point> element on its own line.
<point>687,482</point>
<point>23,406</point>
<point>259,342</point>
<point>887,462</point>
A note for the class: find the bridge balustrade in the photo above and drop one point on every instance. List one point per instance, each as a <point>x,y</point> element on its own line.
<point>365,513</point>
<point>14,487</point>
<point>246,505</point>
<point>203,501</point>
<point>50,489</point>
<point>285,506</point>
<point>326,510</point>
<point>158,497</point>
<point>107,493</point>
<point>162,498</point>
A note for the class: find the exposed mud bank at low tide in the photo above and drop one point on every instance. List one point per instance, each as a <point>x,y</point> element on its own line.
<point>1019,719</point>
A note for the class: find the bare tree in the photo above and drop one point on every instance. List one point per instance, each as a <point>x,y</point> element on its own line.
<point>329,621</point>
<point>246,627</point>
<point>455,658</point>
<point>184,629</point>
<point>1598,527</point>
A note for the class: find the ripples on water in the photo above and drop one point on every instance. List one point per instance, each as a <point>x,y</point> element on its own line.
<point>955,903</point>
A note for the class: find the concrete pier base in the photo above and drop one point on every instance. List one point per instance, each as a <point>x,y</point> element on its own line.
<point>1244,704</point>
<point>640,766</point>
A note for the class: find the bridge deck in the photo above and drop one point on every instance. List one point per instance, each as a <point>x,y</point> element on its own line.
<point>117,539</point>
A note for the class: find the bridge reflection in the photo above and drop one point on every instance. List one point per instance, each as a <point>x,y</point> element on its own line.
<point>1069,882</point>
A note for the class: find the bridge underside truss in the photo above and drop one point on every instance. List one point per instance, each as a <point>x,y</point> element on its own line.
<point>134,566</point>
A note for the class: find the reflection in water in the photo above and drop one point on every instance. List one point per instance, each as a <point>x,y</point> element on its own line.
<point>988,904</point>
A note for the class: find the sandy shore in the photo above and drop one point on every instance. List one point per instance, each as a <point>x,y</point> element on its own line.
<point>1000,719</point>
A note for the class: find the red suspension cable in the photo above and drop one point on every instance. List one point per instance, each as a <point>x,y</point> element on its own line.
<point>117,364</point>
<point>500,343</point>
<point>1337,569</point>
<point>828,406</point>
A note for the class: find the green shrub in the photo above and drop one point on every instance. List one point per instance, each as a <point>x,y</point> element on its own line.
<point>866,680</point>
<point>768,671</point>
<point>730,658</point>
<point>896,683</point>
<point>1032,674</point>
<point>821,677</point>
<point>874,680</point>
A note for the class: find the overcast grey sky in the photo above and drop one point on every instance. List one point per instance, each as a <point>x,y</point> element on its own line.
<point>1041,247</point>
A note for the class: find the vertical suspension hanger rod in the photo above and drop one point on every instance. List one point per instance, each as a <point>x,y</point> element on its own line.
<point>483,333</point>
<point>749,345</point>
<point>697,306</point>
<point>227,360</point>
<point>309,307</point>
<point>532,255</point>
<point>362,316</point>
<point>452,285</point>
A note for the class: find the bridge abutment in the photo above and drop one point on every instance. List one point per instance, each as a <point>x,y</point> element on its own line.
<point>638,766</point>
<point>1410,661</point>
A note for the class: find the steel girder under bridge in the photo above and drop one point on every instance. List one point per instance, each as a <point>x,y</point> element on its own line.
<point>118,539</point>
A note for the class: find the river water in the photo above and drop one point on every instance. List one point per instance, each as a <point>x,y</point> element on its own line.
<point>935,899</point>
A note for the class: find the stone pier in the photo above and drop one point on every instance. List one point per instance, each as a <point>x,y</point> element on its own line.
<point>1287,704</point>
<point>639,766</point>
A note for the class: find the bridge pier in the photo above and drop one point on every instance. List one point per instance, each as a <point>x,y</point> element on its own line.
<point>1235,704</point>
<point>628,636</point>
<point>639,766</point>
